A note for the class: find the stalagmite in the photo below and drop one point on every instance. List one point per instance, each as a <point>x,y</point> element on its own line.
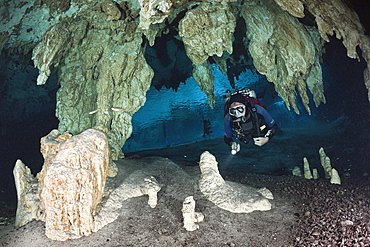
<point>306,169</point>
<point>335,179</point>
<point>325,163</point>
<point>66,192</point>
<point>28,205</point>
<point>297,171</point>
<point>315,174</point>
<point>233,197</point>
<point>73,185</point>
<point>190,216</point>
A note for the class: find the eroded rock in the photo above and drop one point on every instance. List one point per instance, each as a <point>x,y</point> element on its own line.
<point>207,30</point>
<point>283,50</point>
<point>28,204</point>
<point>137,184</point>
<point>204,78</point>
<point>190,216</point>
<point>233,197</point>
<point>69,187</point>
<point>73,185</point>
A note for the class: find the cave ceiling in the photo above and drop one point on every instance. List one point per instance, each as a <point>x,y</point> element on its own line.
<point>107,54</point>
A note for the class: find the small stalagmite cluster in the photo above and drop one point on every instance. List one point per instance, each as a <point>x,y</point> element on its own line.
<point>330,172</point>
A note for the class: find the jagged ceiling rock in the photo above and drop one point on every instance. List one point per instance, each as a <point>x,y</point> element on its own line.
<point>282,49</point>
<point>207,30</point>
<point>335,17</point>
<point>314,78</point>
<point>365,47</point>
<point>294,7</point>
<point>204,78</point>
<point>154,11</point>
<point>50,50</point>
<point>17,25</point>
<point>110,81</point>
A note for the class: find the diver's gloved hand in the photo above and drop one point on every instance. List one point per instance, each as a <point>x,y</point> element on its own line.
<point>260,141</point>
<point>235,147</point>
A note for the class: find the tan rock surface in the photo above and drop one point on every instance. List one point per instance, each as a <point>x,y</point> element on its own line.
<point>28,201</point>
<point>282,49</point>
<point>294,7</point>
<point>73,185</point>
<point>154,11</point>
<point>137,184</point>
<point>227,195</point>
<point>206,31</point>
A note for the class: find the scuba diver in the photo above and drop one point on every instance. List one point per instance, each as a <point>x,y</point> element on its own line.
<point>246,119</point>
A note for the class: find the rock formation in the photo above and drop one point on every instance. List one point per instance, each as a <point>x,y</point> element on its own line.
<point>156,174</point>
<point>190,216</point>
<point>306,169</point>
<point>204,78</point>
<point>230,196</point>
<point>272,45</point>
<point>73,185</point>
<point>325,163</point>
<point>207,30</point>
<point>297,171</point>
<point>69,187</point>
<point>335,179</point>
<point>330,173</point>
<point>28,201</point>
<point>137,184</point>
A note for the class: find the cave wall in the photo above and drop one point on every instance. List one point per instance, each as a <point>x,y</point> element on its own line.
<point>97,50</point>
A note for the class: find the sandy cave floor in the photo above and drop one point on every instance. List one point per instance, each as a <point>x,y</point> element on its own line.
<point>304,212</point>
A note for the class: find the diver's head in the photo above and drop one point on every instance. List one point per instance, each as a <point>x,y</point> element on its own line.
<point>237,105</point>
<point>237,110</point>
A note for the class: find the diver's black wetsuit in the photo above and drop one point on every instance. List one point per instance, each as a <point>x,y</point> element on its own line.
<point>246,130</point>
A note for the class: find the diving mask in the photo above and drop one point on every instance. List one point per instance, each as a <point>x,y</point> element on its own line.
<point>237,111</point>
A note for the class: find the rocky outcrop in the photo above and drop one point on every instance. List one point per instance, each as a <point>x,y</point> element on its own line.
<point>274,37</point>
<point>335,18</point>
<point>233,197</point>
<point>207,30</point>
<point>73,185</point>
<point>154,11</point>
<point>69,187</point>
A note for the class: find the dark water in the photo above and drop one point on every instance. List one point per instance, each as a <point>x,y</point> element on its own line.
<point>21,141</point>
